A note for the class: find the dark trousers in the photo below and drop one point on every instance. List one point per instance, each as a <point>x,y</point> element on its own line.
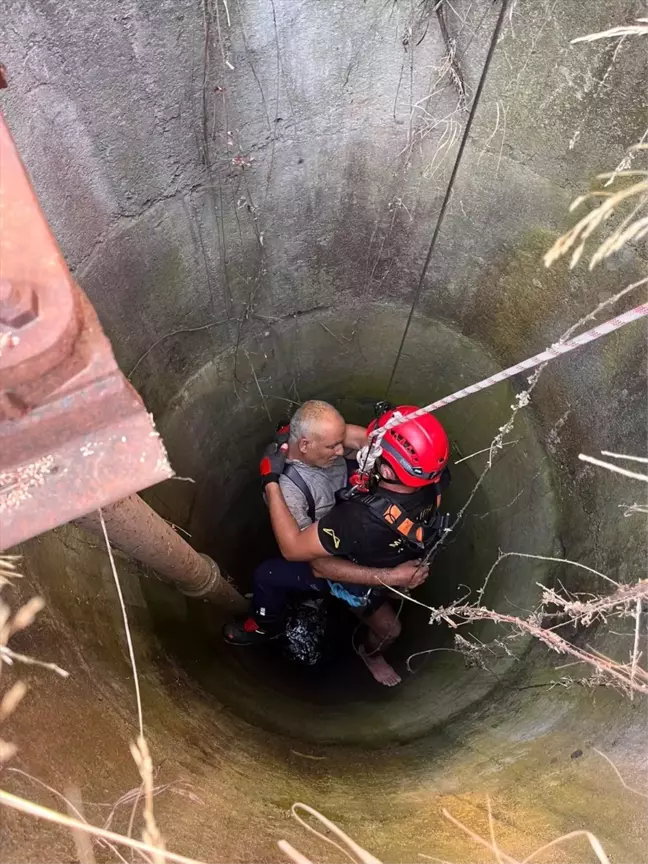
<point>276,579</point>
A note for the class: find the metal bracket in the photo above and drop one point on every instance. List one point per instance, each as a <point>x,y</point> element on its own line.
<point>74,434</point>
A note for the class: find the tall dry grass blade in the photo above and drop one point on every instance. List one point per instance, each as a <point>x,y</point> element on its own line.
<point>12,699</point>
<point>588,224</point>
<point>82,841</point>
<point>491,828</point>
<point>432,858</point>
<point>292,853</point>
<point>619,775</point>
<point>638,29</point>
<point>151,833</point>
<point>478,839</point>
<point>129,640</point>
<point>32,809</point>
<point>139,749</point>
<point>636,653</point>
<point>69,805</point>
<point>8,568</point>
<point>594,842</point>
<point>627,456</point>
<point>615,469</point>
<point>362,854</point>
<point>26,615</point>
<point>7,751</point>
<point>623,235</point>
<point>10,656</point>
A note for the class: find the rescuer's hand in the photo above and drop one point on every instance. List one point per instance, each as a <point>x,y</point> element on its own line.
<point>282,433</point>
<point>272,464</point>
<point>410,574</point>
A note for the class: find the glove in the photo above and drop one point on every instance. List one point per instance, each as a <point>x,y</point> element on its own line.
<point>272,464</point>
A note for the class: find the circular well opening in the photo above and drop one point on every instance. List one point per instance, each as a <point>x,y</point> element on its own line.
<point>214,437</point>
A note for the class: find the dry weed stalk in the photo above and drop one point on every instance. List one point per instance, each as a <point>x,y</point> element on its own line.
<point>48,815</point>
<point>151,833</point>
<point>151,848</point>
<point>357,855</point>
<point>82,841</point>
<point>616,469</point>
<point>635,509</point>
<point>10,624</point>
<point>628,677</point>
<point>630,200</point>
<point>638,29</point>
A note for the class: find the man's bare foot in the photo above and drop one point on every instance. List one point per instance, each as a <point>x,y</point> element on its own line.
<point>380,668</point>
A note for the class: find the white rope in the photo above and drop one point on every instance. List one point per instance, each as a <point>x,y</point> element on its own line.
<point>367,459</point>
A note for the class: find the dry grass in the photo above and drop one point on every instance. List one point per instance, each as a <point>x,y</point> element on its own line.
<point>638,29</point>
<point>626,203</point>
<point>627,677</point>
<point>357,855</point>
<point>616,469</point>
<point>10,624</point>
<point>151,848</point>
<point>45,813</point>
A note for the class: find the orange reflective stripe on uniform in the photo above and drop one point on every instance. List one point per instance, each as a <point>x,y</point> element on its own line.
<point>392,514</point>
<point>406,526</point>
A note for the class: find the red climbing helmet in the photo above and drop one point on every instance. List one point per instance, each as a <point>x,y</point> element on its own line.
<point>418,450</point>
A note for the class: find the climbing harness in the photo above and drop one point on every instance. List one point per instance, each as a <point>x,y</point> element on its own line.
<point>295,477</point>
<point>282,435</point>
<point>418,534</point>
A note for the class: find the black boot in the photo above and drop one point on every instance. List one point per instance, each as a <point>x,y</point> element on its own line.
<point>252,631</point>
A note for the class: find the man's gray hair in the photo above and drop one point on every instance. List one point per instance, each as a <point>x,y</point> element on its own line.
<point>305,419</point>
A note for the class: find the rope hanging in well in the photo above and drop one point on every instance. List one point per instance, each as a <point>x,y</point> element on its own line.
<point>446,200</point>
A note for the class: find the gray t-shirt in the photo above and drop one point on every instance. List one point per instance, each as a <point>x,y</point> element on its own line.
<point>323,484</point>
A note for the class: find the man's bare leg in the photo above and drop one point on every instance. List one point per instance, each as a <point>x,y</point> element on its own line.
<point>384,627</point>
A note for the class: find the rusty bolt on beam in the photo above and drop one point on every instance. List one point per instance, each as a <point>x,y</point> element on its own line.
<point>18,304</point>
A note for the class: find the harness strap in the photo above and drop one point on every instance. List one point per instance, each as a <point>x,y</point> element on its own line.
<point>295,477</point>
<point>415,532</point>
<point>396,518</point>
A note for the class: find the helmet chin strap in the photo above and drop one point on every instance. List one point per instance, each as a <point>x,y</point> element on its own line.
<point>377,476</point>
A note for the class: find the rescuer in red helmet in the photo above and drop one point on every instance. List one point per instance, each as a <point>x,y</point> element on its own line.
<point>393,520</point>
<point>417,451</point>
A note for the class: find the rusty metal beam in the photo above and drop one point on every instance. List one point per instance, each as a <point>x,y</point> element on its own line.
<point>74,434</point>
<point>136,529</point>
